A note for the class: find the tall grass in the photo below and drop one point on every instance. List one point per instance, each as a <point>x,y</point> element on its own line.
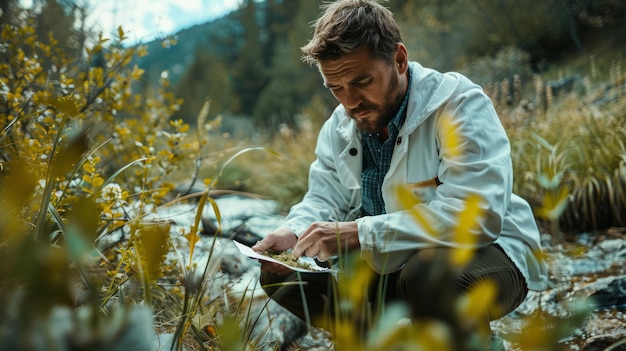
<point>577,144</point>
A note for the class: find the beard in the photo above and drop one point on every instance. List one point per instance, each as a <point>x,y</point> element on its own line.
<point>380,115</point>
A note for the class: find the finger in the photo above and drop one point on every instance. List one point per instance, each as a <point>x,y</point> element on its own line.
<point>305,249</point>
<point>306,233</point>
<point>303,244</point>
<point>260,246</point>
<point>305,240</point>
<point>265,244</point>
<point>298,249</point>
<point>312,251</point>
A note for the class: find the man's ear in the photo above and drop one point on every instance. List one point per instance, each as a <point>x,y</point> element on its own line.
<point>402,58</point>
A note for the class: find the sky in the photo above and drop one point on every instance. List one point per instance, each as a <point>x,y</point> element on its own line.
<point>144,20</point>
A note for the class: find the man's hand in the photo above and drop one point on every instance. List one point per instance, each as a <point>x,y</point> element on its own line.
<point>327,239</point>
<point>279,240</point>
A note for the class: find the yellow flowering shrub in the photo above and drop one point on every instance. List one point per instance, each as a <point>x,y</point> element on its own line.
<point>82,155</point>
<point>53,106</point>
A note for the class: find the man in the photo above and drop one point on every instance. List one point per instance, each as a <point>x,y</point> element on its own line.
<point>391,129</point>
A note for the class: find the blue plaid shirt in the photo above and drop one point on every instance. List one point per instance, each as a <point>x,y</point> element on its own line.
<point>377,158</point>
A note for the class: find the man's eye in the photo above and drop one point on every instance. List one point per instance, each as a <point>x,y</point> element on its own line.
<point>364,82</point>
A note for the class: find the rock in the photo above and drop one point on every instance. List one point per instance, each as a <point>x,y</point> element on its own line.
<point>612,296</point>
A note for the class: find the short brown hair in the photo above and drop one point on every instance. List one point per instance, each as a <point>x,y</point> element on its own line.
<point>347,25</point>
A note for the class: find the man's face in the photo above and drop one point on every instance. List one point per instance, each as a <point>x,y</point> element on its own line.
<point>370,89</point>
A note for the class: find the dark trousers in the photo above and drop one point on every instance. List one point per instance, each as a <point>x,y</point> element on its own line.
<point>426,284</point>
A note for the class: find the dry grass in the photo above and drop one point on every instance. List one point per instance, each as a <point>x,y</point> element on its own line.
<point>576,141</point>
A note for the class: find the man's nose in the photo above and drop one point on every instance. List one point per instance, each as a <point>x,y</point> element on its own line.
<point>352,99</point>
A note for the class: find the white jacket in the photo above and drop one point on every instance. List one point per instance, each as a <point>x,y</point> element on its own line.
<point>483,167</point>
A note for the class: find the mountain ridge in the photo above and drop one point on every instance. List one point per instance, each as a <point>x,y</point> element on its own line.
<point>163,55</point>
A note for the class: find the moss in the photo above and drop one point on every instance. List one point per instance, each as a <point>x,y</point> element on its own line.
<point>287,258</point>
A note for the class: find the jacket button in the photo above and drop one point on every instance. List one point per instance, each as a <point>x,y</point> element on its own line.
<point>353,151</point>
<point>399,140</point>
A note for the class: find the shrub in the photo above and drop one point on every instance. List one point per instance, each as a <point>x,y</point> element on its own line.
<point>84,163</point>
